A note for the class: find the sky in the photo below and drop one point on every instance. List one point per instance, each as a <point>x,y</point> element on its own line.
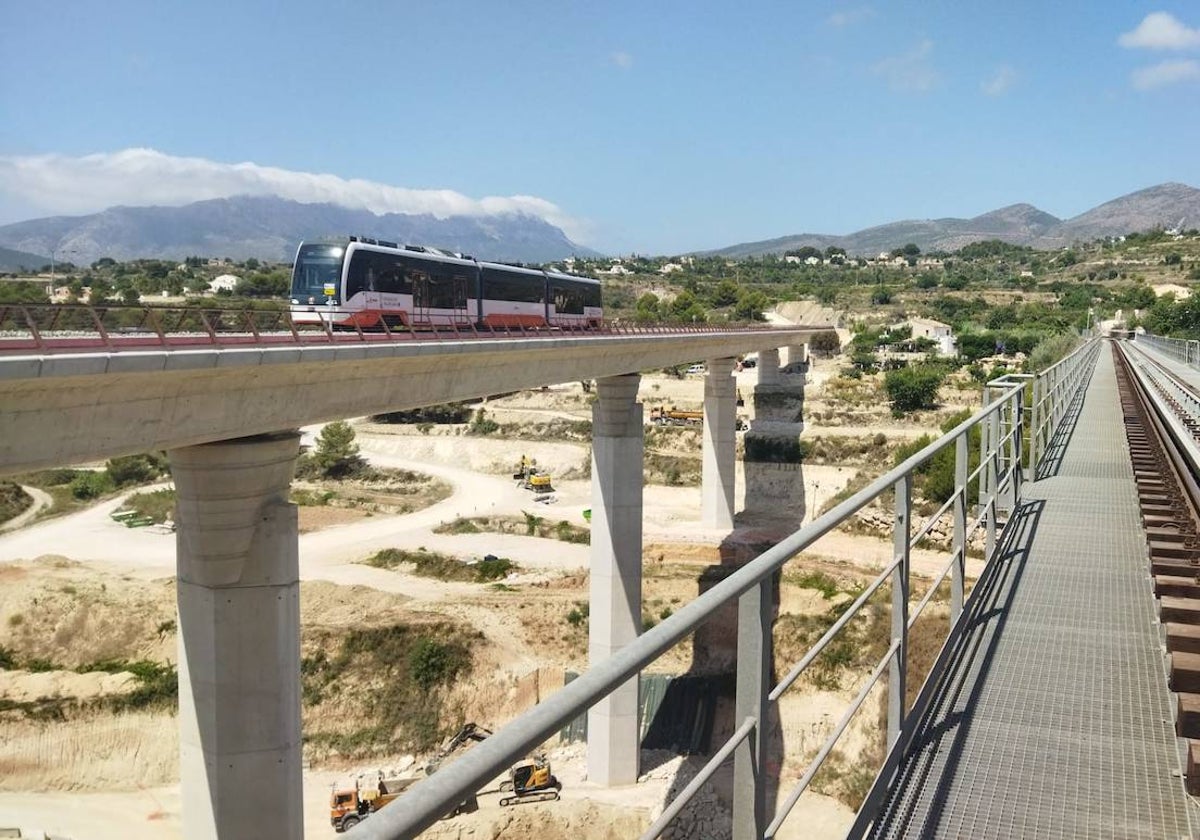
<point>651,127</point>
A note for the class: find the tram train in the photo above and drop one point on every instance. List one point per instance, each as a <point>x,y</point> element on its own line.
<point>361,283</point>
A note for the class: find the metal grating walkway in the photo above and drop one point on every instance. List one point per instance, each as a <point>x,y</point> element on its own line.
<point>1052,719</point>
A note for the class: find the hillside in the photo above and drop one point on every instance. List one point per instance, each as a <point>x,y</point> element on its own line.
<point>1021,224</point>
<point>11,260</point>
<point>270,228</point>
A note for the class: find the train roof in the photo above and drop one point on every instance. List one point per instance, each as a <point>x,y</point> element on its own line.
<point>431,253</point>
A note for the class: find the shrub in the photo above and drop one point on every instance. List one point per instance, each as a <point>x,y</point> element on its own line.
<point>913,388</point>
<point>91,485</point>
<point>481,424</point>
<point>432,663</point>
<point>825,344</point>
<point>136,469</point>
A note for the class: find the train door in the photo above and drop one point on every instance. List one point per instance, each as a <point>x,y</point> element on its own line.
<point>421,297</point>
<point>459,292</point>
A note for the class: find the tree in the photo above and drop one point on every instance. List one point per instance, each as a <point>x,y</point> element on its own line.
<point>726,293</point>
<point>750,305</point>
<point>825,344</point>
<point>337,455</point>
<point>913,388</point>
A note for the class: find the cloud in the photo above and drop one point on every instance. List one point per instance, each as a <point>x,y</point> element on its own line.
<point>910,72</point>
<point>1000,81</point>
<point>621,59</point>
<point>1161,31</point>
<point>1166,73</point>
<point>849,17</point>
<point>71,185</point>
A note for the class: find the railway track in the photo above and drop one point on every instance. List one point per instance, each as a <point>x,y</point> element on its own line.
<point>1162,424</point>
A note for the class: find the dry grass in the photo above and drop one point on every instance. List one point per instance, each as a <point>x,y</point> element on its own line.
<point>91,752</point>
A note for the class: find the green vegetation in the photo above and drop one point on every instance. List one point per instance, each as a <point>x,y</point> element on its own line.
<point>13,500</point>
<point>336,454</point>
<point>158,505</point>
<point>530,526</point>
<point>434,564</point>
<point>914,388</point>
<point>395,677</point>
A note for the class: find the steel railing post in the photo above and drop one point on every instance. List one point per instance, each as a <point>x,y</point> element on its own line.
<point>985,429</point>
<point>753,689</point>
<point>1018,442</point>
<point>991,472</point>
<point>958,575</point>
<point>898,668</point>
<point>1035,447</point>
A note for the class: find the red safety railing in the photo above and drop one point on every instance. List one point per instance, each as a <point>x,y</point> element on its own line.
<point>72,328</point>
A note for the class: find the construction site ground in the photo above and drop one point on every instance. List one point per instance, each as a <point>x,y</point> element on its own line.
<point>80,588</point>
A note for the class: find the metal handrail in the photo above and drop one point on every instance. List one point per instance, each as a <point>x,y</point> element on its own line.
<point>751,586</point>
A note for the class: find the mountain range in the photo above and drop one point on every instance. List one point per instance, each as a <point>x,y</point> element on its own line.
<point>270,228</point>
<point>1166,206</point>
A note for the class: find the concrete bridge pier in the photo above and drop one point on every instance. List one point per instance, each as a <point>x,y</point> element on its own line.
<point>768,367</point>
<point>615,617</point>
<point>719,449</point>
<point>239,639</point>
<point>797,357</point>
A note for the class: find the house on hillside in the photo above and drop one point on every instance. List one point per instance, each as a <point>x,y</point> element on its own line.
<point>223,283</point>
<point>936,331</point>
<point>670,268</point>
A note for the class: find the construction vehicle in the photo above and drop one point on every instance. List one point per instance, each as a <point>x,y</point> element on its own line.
<point>469,732</point>
<point>670,416</point>
<point>530,781</point>
<point>532,478</point>
<point>347,808</point>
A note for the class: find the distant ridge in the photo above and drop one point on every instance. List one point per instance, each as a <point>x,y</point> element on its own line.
<point>1021,224</point>
<point>11,260</point>
<point>269,228</point>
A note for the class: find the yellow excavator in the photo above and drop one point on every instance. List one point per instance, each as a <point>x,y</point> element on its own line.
<point>532,478</point>
<point>530,781</point>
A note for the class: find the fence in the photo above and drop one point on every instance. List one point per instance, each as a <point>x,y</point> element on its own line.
<point>1003,427</point>
<point>79,328</point>
<point>1185,350</point>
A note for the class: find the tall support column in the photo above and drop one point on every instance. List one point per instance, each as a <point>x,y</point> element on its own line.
<point>768,367</point>
<point>239,639</point>
<point>615,617</point>
<point>797,357</point>
<point>719,451</point>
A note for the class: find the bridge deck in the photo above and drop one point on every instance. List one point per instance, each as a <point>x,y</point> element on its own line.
<point>1053,719</point>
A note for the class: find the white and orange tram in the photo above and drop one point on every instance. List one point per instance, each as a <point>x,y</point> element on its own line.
<point>365,283</point>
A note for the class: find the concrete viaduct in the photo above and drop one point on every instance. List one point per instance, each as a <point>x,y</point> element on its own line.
<point>227,416</point>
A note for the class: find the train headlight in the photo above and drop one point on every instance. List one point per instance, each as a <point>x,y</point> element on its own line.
<point>312,300</point>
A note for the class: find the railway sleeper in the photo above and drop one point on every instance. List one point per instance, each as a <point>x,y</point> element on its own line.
<point>1184,638</point>
<point>1163,550</point>
<point>1187,717</point>
<point>1176,586</point>
<point>1173,567</point>
<point>1182,611</point>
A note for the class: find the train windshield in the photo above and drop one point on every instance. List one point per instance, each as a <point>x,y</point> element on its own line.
<point>318,267</point>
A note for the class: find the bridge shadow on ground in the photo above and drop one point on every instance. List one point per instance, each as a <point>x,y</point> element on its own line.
<point>699,707</point>
<point>913,805</point>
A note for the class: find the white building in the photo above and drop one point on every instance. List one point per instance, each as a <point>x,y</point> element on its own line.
<point>935,331</point>
<point>225,282</point>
